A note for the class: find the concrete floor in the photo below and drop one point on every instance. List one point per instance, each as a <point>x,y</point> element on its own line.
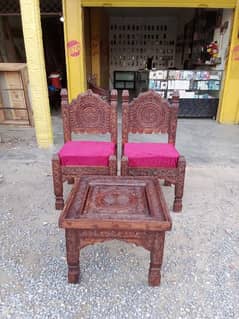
<point>200,273</point>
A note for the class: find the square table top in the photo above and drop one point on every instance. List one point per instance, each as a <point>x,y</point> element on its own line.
<point>116,202</point>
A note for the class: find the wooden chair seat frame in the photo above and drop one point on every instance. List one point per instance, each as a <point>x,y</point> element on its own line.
<point>150,113</point>
<point>89,114</point>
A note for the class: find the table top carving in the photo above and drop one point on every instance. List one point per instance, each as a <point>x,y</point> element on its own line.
<point>112,202</point>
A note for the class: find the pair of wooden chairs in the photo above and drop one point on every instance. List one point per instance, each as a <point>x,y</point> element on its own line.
<point>148,113</point>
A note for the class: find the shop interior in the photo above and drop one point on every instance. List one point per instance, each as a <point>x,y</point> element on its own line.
<point>163,49</point>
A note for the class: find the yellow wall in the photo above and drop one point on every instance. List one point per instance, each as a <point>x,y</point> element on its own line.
<point>229,106</point>
<point>31,24</point>
<point>74,47</point>
<point>161,3</point>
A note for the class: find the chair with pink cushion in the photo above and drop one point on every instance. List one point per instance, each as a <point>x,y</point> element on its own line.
<point>150,113</point>
<point>89,114</point>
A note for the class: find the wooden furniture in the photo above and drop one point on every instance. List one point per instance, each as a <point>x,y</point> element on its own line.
<point>100,208</point>
<point>14,99</point>
<point>86,114</point>
<point>98,90</point>
<point>150,113</point>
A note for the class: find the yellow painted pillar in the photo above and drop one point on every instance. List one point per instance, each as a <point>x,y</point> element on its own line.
<point>95,19</point>
<point>229,106</point>
<point>74,47</point>
<point>161,3</point>
<point>31,24</point>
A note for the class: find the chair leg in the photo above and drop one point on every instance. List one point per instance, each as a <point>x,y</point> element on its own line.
<point>113,165</point>
<point>124,166</point>
<point>70,181</point>
<point>179,186</point>
<point>167,183</point>
<point>57,182</point>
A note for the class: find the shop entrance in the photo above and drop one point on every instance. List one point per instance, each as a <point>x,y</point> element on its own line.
<point>53,40</point>
<point>164,49</point>
<point>15,105</point>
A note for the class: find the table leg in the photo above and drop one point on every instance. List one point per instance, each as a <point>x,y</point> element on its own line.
<point>73,254</point>
<point>156,259</point>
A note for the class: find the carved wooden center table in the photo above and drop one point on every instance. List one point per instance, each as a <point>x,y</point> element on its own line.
<point>100,208</point>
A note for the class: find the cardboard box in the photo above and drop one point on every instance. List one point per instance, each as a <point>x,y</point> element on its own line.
<point>14,96</point>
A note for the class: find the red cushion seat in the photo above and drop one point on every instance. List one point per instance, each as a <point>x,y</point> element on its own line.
<point>86,153</point>
<point>151,155</point>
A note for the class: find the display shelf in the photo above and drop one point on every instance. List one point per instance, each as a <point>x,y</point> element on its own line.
<point>198,89</point>
<point>187,82</point>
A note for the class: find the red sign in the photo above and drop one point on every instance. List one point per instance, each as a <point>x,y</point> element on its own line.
<point>235,53</point>
<point>73,48</point>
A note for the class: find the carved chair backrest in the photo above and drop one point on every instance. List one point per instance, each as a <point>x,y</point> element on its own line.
<point>88,113</point>
<point>149,113</point>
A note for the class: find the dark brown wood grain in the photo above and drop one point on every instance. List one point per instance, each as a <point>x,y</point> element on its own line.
<point>88,113</point>
<point>98,90</point>
<point>100,208</point>
<point>150,113</point>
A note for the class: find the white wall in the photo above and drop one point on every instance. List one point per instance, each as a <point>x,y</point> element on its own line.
<point>134,39</point>
<point>224,38</point>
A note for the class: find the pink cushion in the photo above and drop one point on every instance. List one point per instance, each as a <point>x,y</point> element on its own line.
<point>86,153</point>
<point>151,155</point>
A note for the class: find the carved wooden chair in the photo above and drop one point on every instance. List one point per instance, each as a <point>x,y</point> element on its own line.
<point>98,90</point>
<point>88,113</point>
<point>150,113</point>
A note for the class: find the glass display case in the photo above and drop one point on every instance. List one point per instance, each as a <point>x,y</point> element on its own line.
<point>198,89</point>
<point>124,80</point>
